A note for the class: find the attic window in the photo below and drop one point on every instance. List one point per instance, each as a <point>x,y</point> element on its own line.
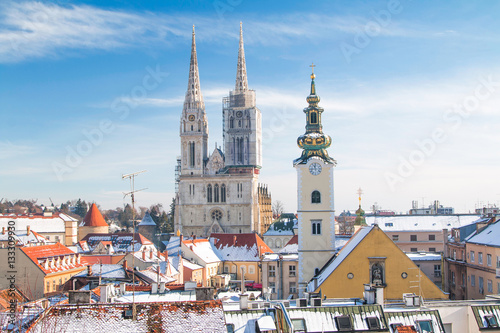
<point>395,326</point>
<point>491,320</point>
<point>343,323</point>
<point>390,224</point>
<point>373,323</point>
<point>299,325</point>
<point>230,328</point>
<point>425,326</point>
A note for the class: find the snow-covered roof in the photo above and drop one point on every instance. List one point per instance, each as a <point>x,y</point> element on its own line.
<point>322,319</point>
<point>39,223</point>
<point>344,252</point>
<point>21,237</point>
<point>203,249</point>
<point>245,320</point>
<point>147,220</point>
<point>169,296</point>
<point>424,256</point>
<point>106,271</point>
<point>240,247</point>
<point>198,316</point>
<point>488,236</point>
<point>421,222</point>
<point>410,318</point>
<point>190,265</point>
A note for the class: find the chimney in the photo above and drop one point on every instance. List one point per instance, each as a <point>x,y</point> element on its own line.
<point>194,237</point>
<point>158,254</point>
<point>28,230</point>
<point>89,270</point>
<point>123,284</point>
<point>151,254</point>
<point>144,254</point>
<point>125,267</point>
<point>181,238</point>
<point>162,287</point>
<point>234,240</point>
<point>3,230</point>
<point>154,288</point>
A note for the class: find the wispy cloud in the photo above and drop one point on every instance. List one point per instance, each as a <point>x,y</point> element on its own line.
<point>38,29</point>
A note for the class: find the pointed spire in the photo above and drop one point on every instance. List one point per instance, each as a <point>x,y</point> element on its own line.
<point>241,73</point>
<point>194,98</point>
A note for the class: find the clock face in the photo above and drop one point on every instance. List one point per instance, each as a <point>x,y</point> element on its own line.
<point>191,118</point>
<point>315,169</point>
<point>239,114</point>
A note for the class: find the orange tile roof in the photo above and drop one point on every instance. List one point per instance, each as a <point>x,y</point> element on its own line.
<point>6,297</point>
<point>94,218</point>
<point>51,251</point>
<point>406,329</point>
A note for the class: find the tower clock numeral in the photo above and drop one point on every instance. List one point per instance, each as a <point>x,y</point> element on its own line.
<point>315,169</point>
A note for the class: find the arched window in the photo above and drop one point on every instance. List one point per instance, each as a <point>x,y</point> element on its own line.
<point>231,122</point>
<point>248,122</point>
<point>316,197</point>
<point>239,123</point>
<point>223,193</point>
<point>209,193</point>
<point>191,154</point>
<point>314,117</point>
<point>216,193</point>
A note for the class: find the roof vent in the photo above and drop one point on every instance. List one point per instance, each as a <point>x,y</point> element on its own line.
<point>302,302</point>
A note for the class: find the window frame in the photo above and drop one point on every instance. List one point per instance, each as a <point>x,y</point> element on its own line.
<point>316,227</point>
<point>315,197</point>
<point>271,271</point>
<point>413,238</point>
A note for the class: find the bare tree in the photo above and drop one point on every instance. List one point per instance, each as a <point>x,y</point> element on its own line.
<point>278,209</point>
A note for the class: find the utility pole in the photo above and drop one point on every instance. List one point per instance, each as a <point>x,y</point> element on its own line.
<point>132,176</point>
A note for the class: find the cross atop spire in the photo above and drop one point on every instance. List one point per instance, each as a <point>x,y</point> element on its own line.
<point>194,98</point>
<point>241,72</point>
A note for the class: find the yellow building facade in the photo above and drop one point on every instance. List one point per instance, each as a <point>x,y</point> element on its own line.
<point>371,258</point>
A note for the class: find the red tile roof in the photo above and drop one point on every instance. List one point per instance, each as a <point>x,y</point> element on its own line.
<point>406,329</point>
<point>94,218</point>
<point>240,240</point>
<point>293,240</point>
<point>51,251</point>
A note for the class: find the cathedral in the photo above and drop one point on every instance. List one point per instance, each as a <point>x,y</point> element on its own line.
<point>220,192</point>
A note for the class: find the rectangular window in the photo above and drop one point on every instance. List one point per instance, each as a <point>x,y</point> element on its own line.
<point>316,227</point>
<point>437,270</point>
<point>47,287</point>
<point>272,271</point>
<point>498,262</point>
<point>292,270</point>
<point>413,249</point>
<point>473,280</point>
<point>454,254</point>
<point>293,288</point>
<point>481,284</point>
<point>432,237</point>
<point>472,256</point>
<point>425,326</point>
<point>490,286</point>
<point>272,287</point>
<point>413,238</point>
<point>480,258</point>
<point>432,249</point>
<point>395,238</point>
<point>488,259</point>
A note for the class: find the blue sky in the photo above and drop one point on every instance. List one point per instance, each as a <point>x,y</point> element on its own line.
<point>91,90</point>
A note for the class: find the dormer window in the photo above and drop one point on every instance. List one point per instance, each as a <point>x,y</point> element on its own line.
<point>343,323</point>
<point>373,323</point>
<point>491,321</point>
<point>425,326</point>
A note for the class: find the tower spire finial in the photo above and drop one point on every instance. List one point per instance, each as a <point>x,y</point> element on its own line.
<point>194,98</point>
<point>241,71</point>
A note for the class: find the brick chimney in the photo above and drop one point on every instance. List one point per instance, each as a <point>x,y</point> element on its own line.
<point>125,264</point>
<point>89,270</point>
<point>234,240</point>
<point>28,230</point>
<point>151,254</point>
<point>144,254</point>
<point>3,230</point>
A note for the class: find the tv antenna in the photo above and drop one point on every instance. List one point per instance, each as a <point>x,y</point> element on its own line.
<point>132,176</point>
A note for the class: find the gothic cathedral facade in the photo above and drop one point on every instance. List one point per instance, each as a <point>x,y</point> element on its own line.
<point>219,192</point>
<point>315,201</point>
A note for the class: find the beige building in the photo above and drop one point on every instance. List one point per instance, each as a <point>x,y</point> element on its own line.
<point>39,270</point>
<point>220,192</point>
<point>279,276</point>
<point>483,262</point>
<point>54,227</point>
<point>202,253</point>
<point>420,233</point>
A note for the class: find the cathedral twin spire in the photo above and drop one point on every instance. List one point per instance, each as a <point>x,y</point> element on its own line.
<point>194,98</point>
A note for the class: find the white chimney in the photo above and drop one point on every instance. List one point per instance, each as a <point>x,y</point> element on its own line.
<point>122,288</point>
<point>243,302</point>
<point>162,287</point>
<point>154,288</point>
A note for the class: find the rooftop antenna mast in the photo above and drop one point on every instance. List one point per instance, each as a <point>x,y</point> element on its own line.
<point>132,176</point>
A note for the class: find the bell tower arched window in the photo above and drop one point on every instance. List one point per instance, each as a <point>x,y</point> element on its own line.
<point>223,193</point>
<point>314,118</point>
<point>315,197</point>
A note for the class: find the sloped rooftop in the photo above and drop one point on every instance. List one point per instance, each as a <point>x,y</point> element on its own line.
<point>240,247</point>
<point>421,222</point>
<point>147,220</point>
<point>198,316</point>
<point>94,218</point>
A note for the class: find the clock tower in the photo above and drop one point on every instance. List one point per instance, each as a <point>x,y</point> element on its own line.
<point>315,201</point>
